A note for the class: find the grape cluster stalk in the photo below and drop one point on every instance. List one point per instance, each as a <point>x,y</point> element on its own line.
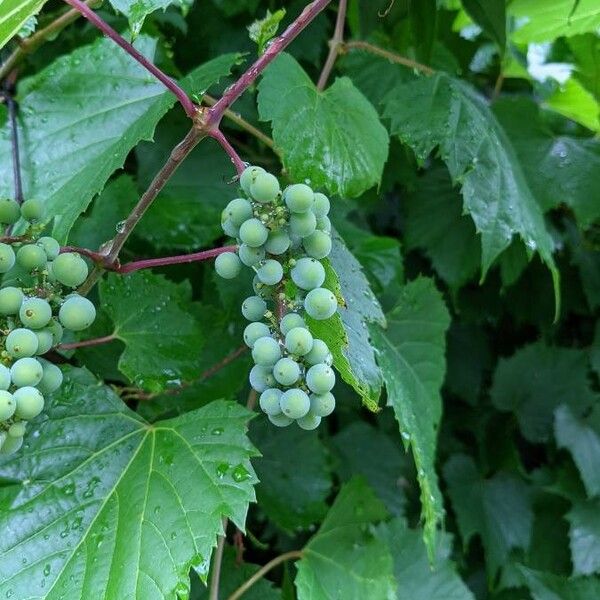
<point>283,236</point>
<point>36,305</point>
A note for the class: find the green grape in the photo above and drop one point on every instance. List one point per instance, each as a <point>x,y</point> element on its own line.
<point>32,210</point>
<point>10,211</point>
<point>45,340</point>
<point>50,246</point>
<point>320,378</point>
<point>21,342</point>
<point>70,269</point>
<point>264,188</point>
<point>295,241</point>
<point>280,420</point>
<point>261,378</point>
<point>4,377</point>
<point>278,242</point>
<point>56,329</point>
<point>238,211</point>
<point>11,445</point>
<point>255,331</point>
<point>269,401</point>
<point>30,402</point>
<point>253,233</point>
<point>303,224</point>
<point>254,308</point>
<point>286,371</point>
<point>17,430</point>
<point>77,313</point>
<point>322,405</point>
<point>266,351</point>
<point>317,244</point>
<point>324,224</point>
<point>11,299</point>
<point>248,176</point>
<point>270,272</point>
<point>35,313</point>
<point>319,353</point>
<point>308,273</point>
<point>321,206</point>
<point>7,258</point>
<point>320,304</point>
<point>26,372</point>
<point>298,341</point>
<point>251,256</point>
<point>298,197</point>
<point>31,257</point>
<point>7,405</point>
<point>290,321</point>
<point>52,378</point>
<point>228,265</point>
<point>229,228</point>
<point>309,421</point>
<point>294,403</point>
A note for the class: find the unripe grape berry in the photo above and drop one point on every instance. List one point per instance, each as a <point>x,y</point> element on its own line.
<point>21,342</point>
<point>229,228</point>
<point>52,378</point>
<point>50,246</point>
<point>238,211</point>
<point>320,304</point>
<point>4,377</point>
<point>35,313</point>
<point>298,341</point>
<point>269,401</point>
<point>254,308</point>
<point>70,269</point>
<point>265,187</point>
<point>317,244</point>
<point>280,420</point>
<point>251,256</point>
<point>308,274</point>
<point>270,272</point>
<point>266,351</point>
<point>45,340</point>
<point>261,289</point>
<point>321,205</point>
<point>261,378</point>
<point>17,430</point>
<point>248,176</point>
<point>303,224</point>
<point>30,402</point>
<point>7,258</point>
<point>32,210</point>
<point>320,378</point>
<point>7,405</point>
<point>253,233</point>
<point>322,405</point>
<point>278,242</point>
<point>294,403</point>
<point>26,372</point>
<point>77,313</point>
<point>324,224</point>
<point>11,445</point>
<point>10,211</point>
<point>298,197</point>
<point>254,331</point>
<point>309,421</point>
<point>286,371</point>
<point>56,329</point>
<point>228,265</point>
<point>11,299</point>
<point>295,241</point>
<point>290,321</point>
<point>319,353</point>
<point>31,257</point>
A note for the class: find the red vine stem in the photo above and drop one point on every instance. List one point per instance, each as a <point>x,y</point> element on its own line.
<point>239,164</point>
<point>92,342</point>
<point>335,45</point>
<point>108,31</point>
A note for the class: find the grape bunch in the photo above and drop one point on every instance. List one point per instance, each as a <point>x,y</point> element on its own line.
<point>282,236</point>
<point>33,312</point>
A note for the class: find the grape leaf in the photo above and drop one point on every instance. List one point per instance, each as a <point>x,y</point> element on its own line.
<point>410,353</point>
<point>261,31</point>
<point>137,10</point>
<point>96,486</point>
<point>584,536</point>
<point>345,559</point>
<point>490,15</point>
<point>586,50</point>
<point>546,586</point>
<point>595,351</point>
<point>332,138</point>
<point>575,102</point>
<point>14,14</point>
<point>159,326</point>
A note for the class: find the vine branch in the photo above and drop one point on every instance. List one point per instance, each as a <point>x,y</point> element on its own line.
<point>391,56</point>
<point>238,163</point>
<point>12,107</point>
<point>91,342</point>
<point>335,45</point>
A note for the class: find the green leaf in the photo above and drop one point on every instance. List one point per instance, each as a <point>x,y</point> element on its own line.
<point>294,487</point>
<point>411,357</point>
<point>586,50</point>
<point>497,509</point>
<point>416,578</point>
<point>545,21</point>
<point>13,15</point>
<point>345,559</point>
<point>96,486</point>
<point>346,332</point>
<point>156,320</point>
<point>445,112</point>
<point>573,101</point>
<point>581,437</point>
<point>332,138</point>
<point>263,30</point>
<point>423,19</point>
<point>584,536</point>
<point>490,15</point>
<point>136,11</point>
<point>546,586</point>
<point>595,351</point>
<point>535,380</point>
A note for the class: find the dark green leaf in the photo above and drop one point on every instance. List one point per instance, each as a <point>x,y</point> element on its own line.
<point>423,17</point>
<point>584,536</point>
<point>546,586</point>
<point>490,15</point>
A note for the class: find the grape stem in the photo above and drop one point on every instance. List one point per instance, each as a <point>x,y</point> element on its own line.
<point>83,343</point>
<point>335,45</point>
<point>239,164</point>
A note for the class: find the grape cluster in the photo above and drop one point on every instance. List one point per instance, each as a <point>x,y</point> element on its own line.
<point>32,318</point>
<point>282,236</point>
